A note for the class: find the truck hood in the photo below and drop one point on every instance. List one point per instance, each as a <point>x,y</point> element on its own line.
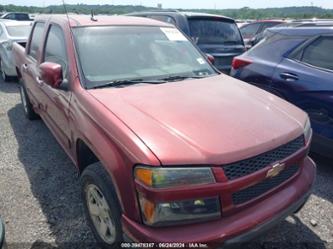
<point>215,120</point>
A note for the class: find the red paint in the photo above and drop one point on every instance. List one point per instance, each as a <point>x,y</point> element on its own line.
<point>211,122</point>
<point>239,63</point>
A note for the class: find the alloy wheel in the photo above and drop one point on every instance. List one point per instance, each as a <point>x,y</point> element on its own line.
<point>100,214</point>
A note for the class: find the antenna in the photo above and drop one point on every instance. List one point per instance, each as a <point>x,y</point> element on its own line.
<point>66,12</point>
<point>93,18</point>
<point>69,24</point>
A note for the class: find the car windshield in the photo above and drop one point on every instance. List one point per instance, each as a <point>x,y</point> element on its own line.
<point>19,31</point>
<point>208,31</point>
<point>114,53</point>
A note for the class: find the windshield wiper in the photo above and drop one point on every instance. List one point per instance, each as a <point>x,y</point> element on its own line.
<point>128,82</point>
<point>181,77</point>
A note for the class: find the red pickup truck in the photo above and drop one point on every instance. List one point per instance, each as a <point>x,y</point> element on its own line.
<point>168,148</point>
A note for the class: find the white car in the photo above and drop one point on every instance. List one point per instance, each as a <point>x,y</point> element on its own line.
<point>10,32</point>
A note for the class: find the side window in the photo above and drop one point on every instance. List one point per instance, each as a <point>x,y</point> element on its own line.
<point>1,32</point>
<point>250,30</point>
<point>55,48</point>
<point>167,19</point>
<point>10,16</point>
<point>268,25</point>
<point>318,53</point>
<point>36,39</point>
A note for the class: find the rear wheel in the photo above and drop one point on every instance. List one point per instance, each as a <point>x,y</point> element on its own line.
<point>27,107</point>
<point>4,76</point>
<point>101,206</point>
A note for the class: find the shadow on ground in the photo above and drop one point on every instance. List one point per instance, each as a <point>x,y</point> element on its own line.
<point>54,182</point>
<point>9,87</point>
<point>324,175</point>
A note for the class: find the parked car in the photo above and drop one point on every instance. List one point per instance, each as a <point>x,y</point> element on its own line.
<point>241,23</point>
<point>303,24</point>
<point>162,140</point>
<point>18,16</point>
<point>252,32</point>
<point>298,69</point>
<point>2,235</point>
<point>10,32</point>
<point>213,34</point>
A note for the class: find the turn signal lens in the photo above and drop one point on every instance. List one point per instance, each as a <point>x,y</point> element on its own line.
<point>148,209</point>
<point>307,130</point>
<point>144,175</point>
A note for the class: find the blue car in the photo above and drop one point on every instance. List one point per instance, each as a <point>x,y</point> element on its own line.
<point>296,64</point>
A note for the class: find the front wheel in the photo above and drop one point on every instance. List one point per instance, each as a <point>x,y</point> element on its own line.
<point>27,106</point>
<point>101,206</point>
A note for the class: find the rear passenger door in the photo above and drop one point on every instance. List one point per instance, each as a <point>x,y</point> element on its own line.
<point>306,79</point>
<point>55,102</point>
<point>29,69</point>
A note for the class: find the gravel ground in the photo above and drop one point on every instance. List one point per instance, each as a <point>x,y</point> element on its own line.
<point>40,199</point>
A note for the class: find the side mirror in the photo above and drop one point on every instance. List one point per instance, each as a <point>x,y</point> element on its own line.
<point>210,58</point>
<point>51,74</point>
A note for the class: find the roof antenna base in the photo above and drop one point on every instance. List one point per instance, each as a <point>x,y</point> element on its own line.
<point>93,18</point>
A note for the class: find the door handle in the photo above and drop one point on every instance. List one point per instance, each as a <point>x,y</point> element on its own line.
<point>25,67</point>
<point>290,77</point>
<point>39,81</point>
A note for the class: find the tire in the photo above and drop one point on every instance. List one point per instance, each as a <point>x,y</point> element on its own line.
<point>27,107</point>
<point>97,190</point>
<point>4,76</point>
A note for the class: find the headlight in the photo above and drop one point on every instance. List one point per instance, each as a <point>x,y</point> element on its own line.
<point>8,45</point>
<point>307,130</point>
<point>179,212</point>
<point>173,177</point>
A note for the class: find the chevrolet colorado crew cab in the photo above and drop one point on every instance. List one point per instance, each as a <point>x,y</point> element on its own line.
<point>168,148</point>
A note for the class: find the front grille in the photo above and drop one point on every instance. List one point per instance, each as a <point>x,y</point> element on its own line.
<point>264,186</point>
<point>251,165</point>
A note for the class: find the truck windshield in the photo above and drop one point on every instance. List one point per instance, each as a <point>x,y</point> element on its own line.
<point>19,31</point>
<point>212,31</point>
<point>114,53</point>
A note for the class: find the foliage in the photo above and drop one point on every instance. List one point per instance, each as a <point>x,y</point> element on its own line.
<point>243,13</point>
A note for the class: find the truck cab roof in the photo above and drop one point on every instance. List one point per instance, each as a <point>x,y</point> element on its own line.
<point>87,20</point>
<point>181,13</point>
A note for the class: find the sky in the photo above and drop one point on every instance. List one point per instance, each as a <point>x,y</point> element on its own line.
<point>192,4</point>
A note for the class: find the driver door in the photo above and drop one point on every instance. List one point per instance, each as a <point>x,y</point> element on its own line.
<point>55,101</point>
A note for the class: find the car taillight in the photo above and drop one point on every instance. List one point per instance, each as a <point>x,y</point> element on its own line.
<point>239,63</point>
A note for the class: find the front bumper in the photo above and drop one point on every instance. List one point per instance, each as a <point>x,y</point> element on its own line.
<point>262,228</point>
<point>238,227</point>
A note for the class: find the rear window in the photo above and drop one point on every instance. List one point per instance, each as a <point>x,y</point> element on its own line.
<point>319,53</point>
<point>36,39</point>
<point>274,46</point>
<point>19,31</point>
<point>212,31</point>
<point>250,30</point>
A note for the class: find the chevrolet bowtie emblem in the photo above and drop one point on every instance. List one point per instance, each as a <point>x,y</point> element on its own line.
<point>275,170</point>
